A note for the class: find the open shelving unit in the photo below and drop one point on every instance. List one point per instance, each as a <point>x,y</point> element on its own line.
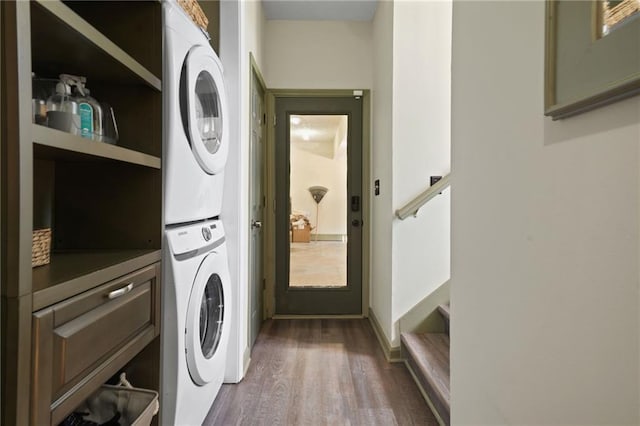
<point>57,145</point>
<point>103,203</point>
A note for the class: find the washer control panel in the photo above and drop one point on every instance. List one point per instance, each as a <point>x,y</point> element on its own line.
<point>184,239</point>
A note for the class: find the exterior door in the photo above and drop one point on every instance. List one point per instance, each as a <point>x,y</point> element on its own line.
<point>257,206</point>
<point>305,200</point>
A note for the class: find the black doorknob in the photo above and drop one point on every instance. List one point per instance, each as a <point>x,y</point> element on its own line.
<point>355,222</point>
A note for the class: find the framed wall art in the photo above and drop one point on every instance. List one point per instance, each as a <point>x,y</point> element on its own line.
<point>592,54</point>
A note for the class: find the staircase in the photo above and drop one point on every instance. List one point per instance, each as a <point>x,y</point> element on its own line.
<point>427,357</point>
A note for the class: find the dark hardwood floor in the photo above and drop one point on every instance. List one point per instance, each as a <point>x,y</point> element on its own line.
<point>320,372</point>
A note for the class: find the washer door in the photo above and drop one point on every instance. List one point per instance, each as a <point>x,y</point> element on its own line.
<point>206,330</point>
<point>204,106</point>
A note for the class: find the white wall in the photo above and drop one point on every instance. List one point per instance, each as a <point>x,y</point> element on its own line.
<point>545,219</point>
<point>310,169</point>
<point>421,148</point>
<point>255,29</point>
<point>381,134</point>
<point>318,54</point>
<point>241,24</point>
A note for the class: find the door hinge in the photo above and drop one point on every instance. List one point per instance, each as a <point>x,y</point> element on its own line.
<point>264,117</point>
<point>275,120</point>
<point>264,201</point>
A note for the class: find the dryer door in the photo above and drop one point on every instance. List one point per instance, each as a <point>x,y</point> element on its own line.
<point>207,320</point>
<point>204,105</point>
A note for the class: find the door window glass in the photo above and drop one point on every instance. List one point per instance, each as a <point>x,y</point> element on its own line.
<point>208,110</point>
<point>318,201</point>
<point>211,316</point>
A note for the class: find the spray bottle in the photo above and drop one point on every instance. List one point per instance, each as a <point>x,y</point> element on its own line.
<point>90,111</point>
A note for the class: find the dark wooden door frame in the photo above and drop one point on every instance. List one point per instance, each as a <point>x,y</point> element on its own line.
<point>270,248</point>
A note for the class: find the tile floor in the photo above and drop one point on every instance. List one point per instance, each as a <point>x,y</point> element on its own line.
<point>318,264</point>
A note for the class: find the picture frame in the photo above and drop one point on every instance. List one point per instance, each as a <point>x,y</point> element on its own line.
<point>584,69</point>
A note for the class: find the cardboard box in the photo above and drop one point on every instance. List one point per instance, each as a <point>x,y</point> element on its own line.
<point>301,235</point>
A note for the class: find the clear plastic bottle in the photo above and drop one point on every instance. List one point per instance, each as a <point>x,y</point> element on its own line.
<point>62,110</point>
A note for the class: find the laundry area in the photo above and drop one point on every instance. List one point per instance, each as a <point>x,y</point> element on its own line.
<point>122,306</point>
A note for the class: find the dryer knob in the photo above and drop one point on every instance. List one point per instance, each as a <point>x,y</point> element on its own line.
<point>206,233</point>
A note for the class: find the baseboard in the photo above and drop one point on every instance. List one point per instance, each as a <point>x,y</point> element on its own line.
<point>287,317</point>
<point>246,360</point>
<point>424,394</point>
<point>328,237</point>
<point>391,353</point>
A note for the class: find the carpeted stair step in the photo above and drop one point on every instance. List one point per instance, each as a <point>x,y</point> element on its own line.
<point>444,310</point>
<point>427,356</point>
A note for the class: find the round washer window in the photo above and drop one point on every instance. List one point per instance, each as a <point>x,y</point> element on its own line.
<point>208,109</point>
<point>211,316</point>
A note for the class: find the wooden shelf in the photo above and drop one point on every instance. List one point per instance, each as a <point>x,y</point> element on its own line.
<point>62,41</point>
<point>55,144</point>
<point>70,273</point>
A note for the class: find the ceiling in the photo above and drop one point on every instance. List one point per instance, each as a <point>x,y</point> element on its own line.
<point>333,10</point>
<point>316,133</point>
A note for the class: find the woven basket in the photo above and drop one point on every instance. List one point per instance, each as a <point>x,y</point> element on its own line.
<point>194,10</point>
<point>41,247</point>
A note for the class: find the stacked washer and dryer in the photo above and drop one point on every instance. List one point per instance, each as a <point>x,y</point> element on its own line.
<point>197,291</point>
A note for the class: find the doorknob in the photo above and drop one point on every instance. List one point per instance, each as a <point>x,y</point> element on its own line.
<point>256,224</point>
<point>355,222</point>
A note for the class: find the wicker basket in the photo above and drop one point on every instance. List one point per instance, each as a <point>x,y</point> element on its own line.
<point>194,10</point>
<point>41,247</point>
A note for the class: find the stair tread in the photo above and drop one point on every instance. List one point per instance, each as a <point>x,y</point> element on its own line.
<point>430,354</point>
<point>445,310</point>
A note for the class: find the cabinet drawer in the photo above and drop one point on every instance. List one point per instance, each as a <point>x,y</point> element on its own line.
<point>87,335</point>
<point>78,344</point>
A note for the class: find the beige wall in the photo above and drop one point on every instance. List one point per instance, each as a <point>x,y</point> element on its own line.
<point>381,133</point>
<point>545,219</point>
<point>421,148</point>
<point>310,168</point>
<point>318,54</point>
<point>411,100</point>
<point>255,31</point>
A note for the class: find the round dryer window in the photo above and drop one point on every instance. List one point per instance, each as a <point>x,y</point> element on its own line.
<point>211,316</point>
<point>204,105</point>
<point>208,118</point>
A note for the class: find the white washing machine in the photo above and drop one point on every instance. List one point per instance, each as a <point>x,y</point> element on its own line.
<point>197,306</point>
<point>196,126</point>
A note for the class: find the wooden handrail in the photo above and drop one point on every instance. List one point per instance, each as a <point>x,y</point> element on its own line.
<point>412,207</point>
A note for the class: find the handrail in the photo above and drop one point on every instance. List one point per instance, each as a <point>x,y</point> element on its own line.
<point>412,207</point>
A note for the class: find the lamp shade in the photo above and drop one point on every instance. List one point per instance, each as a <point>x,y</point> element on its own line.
<point>318,192</point>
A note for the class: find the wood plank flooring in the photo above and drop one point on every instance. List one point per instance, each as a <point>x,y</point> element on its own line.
<point>320,372</point>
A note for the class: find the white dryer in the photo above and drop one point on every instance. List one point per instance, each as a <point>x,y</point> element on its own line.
<point>197,307</point>
<point>196,128</point>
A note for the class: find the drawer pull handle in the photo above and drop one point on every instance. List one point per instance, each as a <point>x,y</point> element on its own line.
<point>120,292</point>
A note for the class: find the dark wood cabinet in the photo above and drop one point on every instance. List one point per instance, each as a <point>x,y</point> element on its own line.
<point>78,342</point>
<point>93,311</point>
